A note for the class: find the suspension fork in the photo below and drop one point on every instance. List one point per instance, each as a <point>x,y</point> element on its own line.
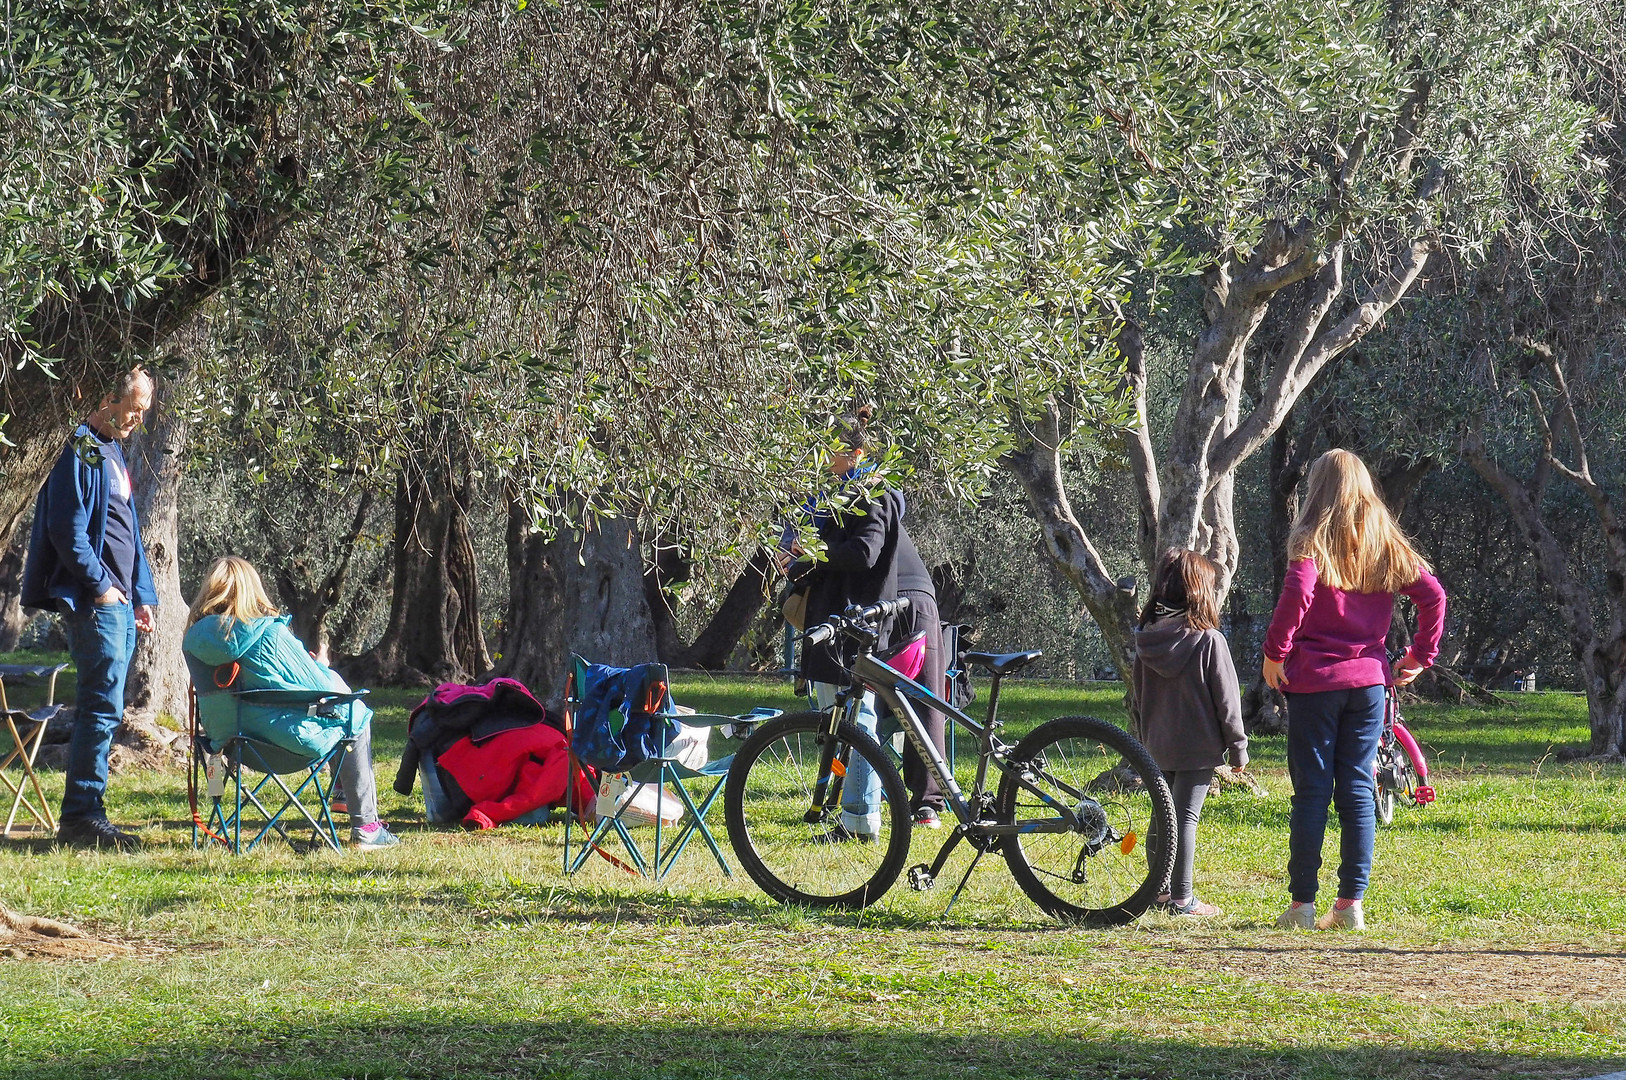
<point>832,768</point>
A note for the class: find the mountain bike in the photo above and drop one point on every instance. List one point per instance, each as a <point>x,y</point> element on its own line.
<point>1077,807</point>
<point>1399,767</point>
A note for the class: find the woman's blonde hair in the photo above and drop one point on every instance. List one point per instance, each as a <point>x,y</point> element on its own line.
<point>1346,528</point>
<point>231,587</point>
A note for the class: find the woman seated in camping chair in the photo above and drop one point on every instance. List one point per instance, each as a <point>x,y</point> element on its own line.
<point>232,622</point>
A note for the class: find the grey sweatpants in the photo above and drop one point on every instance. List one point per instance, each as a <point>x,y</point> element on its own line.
<point>356,778</point>
<point>1189,788</point>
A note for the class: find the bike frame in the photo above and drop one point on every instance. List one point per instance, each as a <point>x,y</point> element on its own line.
<point>899,692</point>
<point>1394,731</point>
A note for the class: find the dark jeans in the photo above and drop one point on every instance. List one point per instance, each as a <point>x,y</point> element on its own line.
<point>101,640</point>
<point>1332,738</point>
<point>1189,788</point>
<point>922,615</point>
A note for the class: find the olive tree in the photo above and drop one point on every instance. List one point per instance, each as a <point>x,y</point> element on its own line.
<point>149,150</point>
<point>1341,148</point>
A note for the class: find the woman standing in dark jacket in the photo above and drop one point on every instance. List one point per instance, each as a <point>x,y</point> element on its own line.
<point>860,527</point>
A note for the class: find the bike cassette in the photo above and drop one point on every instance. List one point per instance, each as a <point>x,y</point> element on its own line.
<point>1093,825</point>
<point>920,878</point>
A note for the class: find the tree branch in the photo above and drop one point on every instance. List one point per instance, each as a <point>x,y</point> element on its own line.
<point>1036,463</point>
<point>1142,456</point>
<point>1289,382</point>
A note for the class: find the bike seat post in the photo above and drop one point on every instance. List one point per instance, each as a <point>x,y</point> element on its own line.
<point>993,701</point>
<point>988,730</point>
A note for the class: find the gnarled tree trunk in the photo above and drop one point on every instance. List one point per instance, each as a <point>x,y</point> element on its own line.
<point>312,598</point>
<point>1598,640</point>
<point>717,640</point>
<point>157,682</point>
<point>12,617</point>
<point>715,643</point>
<point>433,634</point>
<point>1037,465</point>
<point>573,593</point>
<point>666,567</point>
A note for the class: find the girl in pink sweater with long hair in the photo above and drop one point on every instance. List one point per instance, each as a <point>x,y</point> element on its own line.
<point>1347,558</point>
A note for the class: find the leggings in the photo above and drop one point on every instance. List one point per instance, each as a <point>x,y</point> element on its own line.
<point>922,615</point>
<point>1190,788</point>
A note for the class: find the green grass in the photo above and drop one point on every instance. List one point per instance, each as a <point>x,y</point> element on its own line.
<point>1495,946</point>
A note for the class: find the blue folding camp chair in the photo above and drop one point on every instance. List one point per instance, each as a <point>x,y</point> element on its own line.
<point>219,761</point>
<point>25,731</point>
<point>622,722</point>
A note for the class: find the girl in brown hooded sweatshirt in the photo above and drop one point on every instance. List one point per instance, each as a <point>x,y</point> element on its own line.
<point>1190,708</point>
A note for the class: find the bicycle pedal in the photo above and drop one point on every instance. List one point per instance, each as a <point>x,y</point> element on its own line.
<point>1423,795</point>
<point>920,878</point>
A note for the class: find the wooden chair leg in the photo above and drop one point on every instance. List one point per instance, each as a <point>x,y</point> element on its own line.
<point>27,754</point>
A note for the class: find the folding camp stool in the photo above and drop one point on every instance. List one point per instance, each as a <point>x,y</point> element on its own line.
<point>26,732</point>
<point>662,770</point>
<point>221,769</point>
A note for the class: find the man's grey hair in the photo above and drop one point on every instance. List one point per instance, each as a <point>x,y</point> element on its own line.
<point>129,381</point>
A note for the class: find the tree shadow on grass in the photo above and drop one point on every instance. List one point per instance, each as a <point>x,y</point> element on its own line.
<point>603,905</point>
<point>423,1045</point>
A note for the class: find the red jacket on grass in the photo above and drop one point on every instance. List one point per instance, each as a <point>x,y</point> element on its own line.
<point>511,774</point>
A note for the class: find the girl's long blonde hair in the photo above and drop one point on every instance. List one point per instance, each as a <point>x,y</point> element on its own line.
<point>1346,528</point>
<point>231,587</point>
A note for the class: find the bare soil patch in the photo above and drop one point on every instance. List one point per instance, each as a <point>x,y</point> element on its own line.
<point>1455,974</point>
<point>27,937</point>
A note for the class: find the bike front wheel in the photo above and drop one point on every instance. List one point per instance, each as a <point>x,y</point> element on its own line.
<point>786,828</point>
<point>1385,780</point>
<point>1103,861</point>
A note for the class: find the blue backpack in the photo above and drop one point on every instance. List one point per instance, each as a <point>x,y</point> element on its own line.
<point>623,716</point>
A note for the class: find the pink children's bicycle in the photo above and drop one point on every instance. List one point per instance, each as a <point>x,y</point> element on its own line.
<point>1399,768</point>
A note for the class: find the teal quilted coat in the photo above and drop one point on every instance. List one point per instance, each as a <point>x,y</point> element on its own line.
<point>269,657</point>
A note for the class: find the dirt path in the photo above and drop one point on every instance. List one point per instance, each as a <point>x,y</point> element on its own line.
<point>1462,974</point>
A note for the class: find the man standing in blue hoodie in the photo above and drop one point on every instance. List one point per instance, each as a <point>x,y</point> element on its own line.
<point>85,560</point>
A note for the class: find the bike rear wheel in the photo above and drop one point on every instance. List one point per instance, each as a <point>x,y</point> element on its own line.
<point>787,842</point>
<point>1107,868</point>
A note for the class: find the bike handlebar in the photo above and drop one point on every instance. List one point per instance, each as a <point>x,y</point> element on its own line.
<point>856,619</point>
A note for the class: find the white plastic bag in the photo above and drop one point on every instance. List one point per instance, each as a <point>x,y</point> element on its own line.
<point>636,803</point>
<point>691,746</point>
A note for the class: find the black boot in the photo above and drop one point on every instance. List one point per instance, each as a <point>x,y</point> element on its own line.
<point>96,832</point>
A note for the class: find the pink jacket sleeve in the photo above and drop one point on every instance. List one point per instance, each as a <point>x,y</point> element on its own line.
<point>1298,589</point>
<point>1429,597</point>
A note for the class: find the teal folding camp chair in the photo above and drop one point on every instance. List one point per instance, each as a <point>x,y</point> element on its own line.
<point>623,722</point>
<point>20,743</point>
<point>239,803</point>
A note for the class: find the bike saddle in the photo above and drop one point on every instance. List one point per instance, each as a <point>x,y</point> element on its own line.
<point>1002,663</point>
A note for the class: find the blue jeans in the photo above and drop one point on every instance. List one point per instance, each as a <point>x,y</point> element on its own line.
<point>101,640</point>
<point>861,790</point>
<point>1332,739</point>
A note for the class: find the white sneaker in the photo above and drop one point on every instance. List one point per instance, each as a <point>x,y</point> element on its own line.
<point>1349,918</point>
<point>1297,917</point>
